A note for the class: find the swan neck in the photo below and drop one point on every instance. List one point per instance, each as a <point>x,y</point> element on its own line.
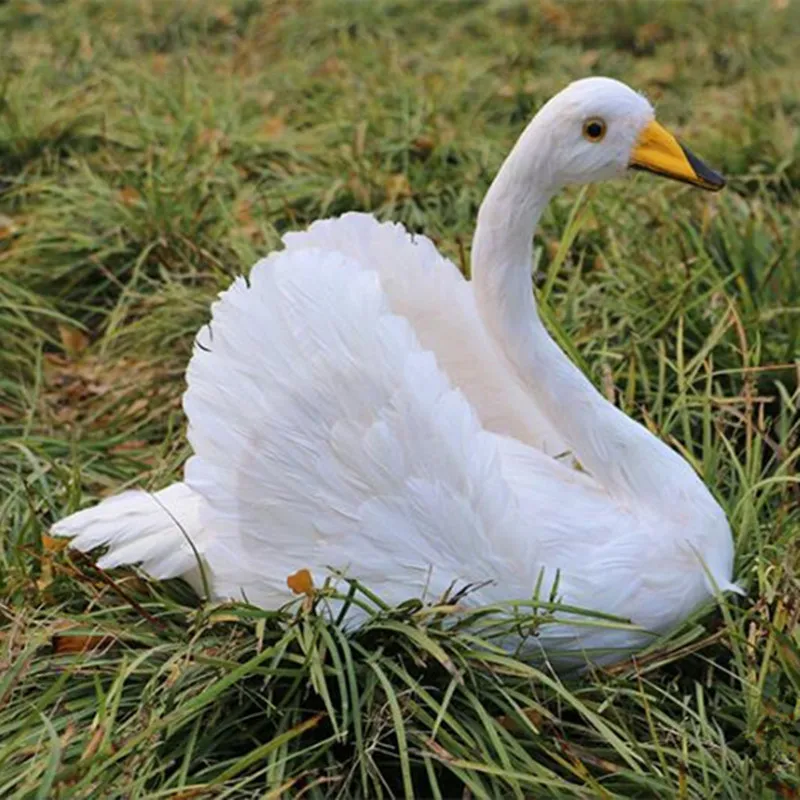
<point>620,454</point>
<point>502,249</point>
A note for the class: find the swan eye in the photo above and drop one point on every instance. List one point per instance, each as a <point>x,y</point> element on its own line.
<point>594,129</point>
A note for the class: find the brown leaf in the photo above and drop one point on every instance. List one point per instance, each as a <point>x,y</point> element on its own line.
<point>7,227</point>
<point>80,643</point>
<point>556,15</point>
<point>53,544</point>
<point>129,196</point>
<point>423,144</point>
<point>73,340</point>
<point>273,127</point>
<point>224,16</point>
<point>330,66</point>
<point>649,35</point>
<point>94,743</point>
<point>301,582</point>
<point>136,407</point>
<point>214,139</point>
<point>159,63</point>
<point>510,724</point>
<point>397,186</point>
<point>589,58</point>
<point>127,446</point>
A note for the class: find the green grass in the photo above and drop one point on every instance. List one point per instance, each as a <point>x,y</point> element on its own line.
<point>151,150</point>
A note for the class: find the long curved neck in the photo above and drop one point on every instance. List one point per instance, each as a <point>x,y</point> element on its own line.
<point>620,454</point>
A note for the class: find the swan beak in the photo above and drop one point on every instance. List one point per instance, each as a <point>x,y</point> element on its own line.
<point>658,151</point>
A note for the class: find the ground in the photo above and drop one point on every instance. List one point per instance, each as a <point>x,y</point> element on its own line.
<point>151,150</point>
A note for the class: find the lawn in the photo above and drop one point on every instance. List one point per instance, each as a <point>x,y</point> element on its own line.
<point>150,151</point>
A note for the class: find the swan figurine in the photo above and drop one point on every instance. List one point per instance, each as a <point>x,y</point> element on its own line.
<point>356,405</point>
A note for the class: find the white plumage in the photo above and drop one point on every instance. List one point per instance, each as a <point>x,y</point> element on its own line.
<point>357,405</point>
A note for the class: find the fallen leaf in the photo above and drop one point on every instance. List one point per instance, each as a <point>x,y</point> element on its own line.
<point>510,724</point>
<point>397,186</point>
<point>224,16</point>
<point>129,196</point>
<point>649,35</point>
<point>556,15</point>
<point>80,643</point>
<point>273,127</point>
<point>73,341</point>
<point>330,66</point>
<point>589,58</point>
<point>301,582</point>
<point>131,444</point>
<point>94,742</point>
<point>7,227</point>
<point>53,544</point>
<point>423,145</point>
<point>159,63</point>
<point>213,138</point>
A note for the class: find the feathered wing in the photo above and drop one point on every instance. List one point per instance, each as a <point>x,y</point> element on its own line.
<point>429,291</point>
<point>326,436</point>
<point>325,432</point>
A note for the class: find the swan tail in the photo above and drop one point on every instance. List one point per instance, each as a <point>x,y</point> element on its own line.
<point>160,531</point>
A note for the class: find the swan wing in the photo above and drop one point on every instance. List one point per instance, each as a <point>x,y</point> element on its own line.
<point>326,436</point>
<point>430,292</point>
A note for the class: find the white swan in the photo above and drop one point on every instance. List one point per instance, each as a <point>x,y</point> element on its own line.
<point>358,405</point>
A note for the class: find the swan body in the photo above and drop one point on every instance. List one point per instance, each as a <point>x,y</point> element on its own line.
<point>356,405</point>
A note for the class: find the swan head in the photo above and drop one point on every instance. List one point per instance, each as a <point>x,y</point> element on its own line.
<point>599,128</point>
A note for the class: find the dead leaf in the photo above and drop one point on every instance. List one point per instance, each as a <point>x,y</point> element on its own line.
<point>330,66</point>
<point>136,407</point>
<point>75,389</point>
<point>556,15</point>
<point>7,227</point>
<point>273,127</point>
<point>397,186</point>
<point>224,16</point>
<point>94,743</point>
<point>213,139</point>
<point>510,724</point>
<point>131,444</point>
<point>69,734</point>
<point>301,582</point>
<point>80,643</point>
<point>129,196</point>
<point>53,544</point>
<point>589,58</point>
<point>73,341</point>
<point>649,35</point>
<point>159,63</point>
<point>423,145</point>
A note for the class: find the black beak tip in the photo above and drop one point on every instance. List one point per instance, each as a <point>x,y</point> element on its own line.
<point>713,180</point>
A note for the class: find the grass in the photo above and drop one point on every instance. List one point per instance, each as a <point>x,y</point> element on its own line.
<point>151,150</point>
